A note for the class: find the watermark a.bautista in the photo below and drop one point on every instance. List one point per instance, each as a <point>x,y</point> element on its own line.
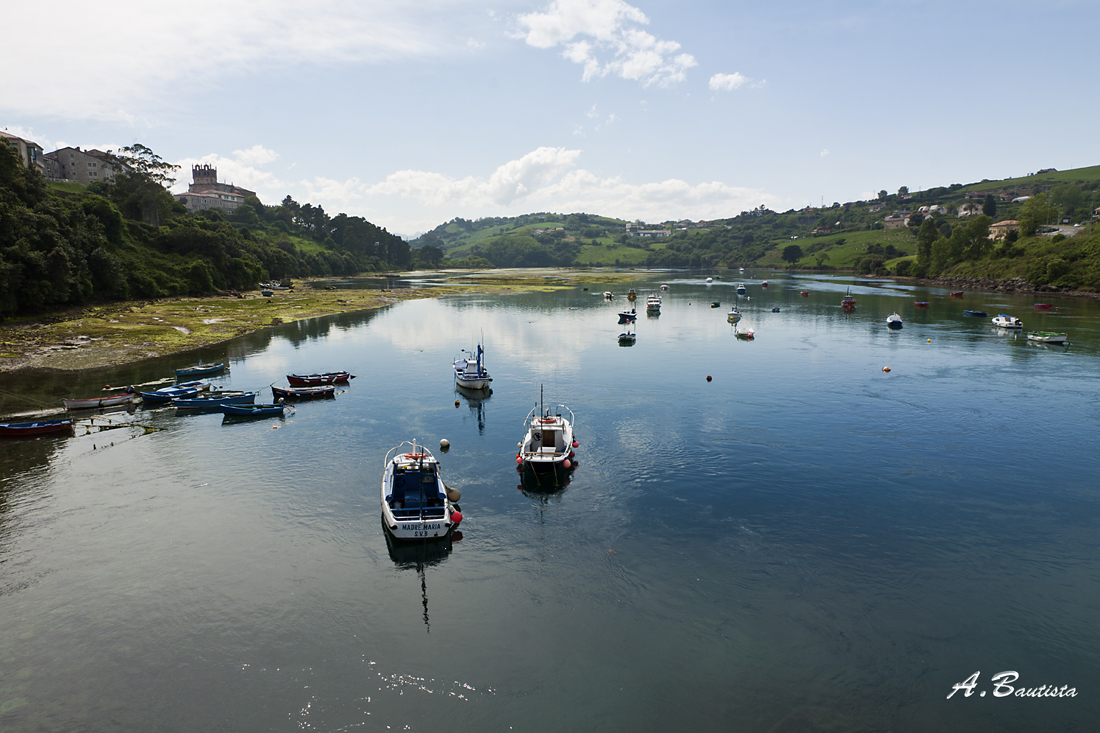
<point>1002,687</point>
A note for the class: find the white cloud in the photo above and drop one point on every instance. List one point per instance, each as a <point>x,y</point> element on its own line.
<point>727,82</point>
<point>546,180</point>
<point>146,54</point>
<point>608,41</point>
<point>243,169</point>
<point>824,152</point>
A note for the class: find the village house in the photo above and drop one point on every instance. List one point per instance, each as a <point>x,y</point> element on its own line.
<point>79,166</point>
<point>969,210</point>
<point>205,192</point>
<point>1002,228</point>
<point>29,151</point>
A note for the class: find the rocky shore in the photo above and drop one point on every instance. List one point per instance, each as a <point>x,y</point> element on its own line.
<point>1015,285</point>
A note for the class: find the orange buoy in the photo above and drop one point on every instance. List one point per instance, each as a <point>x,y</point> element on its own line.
<point>886,369</point>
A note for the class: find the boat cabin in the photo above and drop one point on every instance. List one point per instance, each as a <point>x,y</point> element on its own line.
<point>547,437</point>
<point>415,491</point>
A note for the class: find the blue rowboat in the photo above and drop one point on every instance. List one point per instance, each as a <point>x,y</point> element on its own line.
<point>975,313</point>
<point>213,401</point>
<point>167,394</point>
<point>200,370</point>
<point>252,410</point>
<point>34,429</point>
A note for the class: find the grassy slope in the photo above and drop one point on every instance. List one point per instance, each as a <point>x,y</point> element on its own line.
<point>1074,175</point>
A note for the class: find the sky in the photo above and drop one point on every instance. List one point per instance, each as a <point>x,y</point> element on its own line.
<point>410,114</point>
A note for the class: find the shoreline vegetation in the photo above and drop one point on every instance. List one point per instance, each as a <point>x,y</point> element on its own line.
<point>118,333</point>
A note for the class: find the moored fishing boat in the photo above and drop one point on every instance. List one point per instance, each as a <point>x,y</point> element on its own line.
<point>664,286</point>
<point>1003,321</point>
<point>805,293</point>
<point>848,301</point>
<point>213,401</point>
<point>653,302</point>
<point>744,332</point>
<point>1047,337</point>
<point>734,315</point>
<point>167,394</point>
<point>252,410</point>
<point>628,316</point>
<point>94,403</point>
<point>740,288</point>
<point>35,429</point>
<point>471,373</point>
<point>549,440</point>
<point>200,370</point>
<point>416,504</point>
<point>304,393</point>
<point>894,321</point>
<point>956,294</point>
<point>316,380</point>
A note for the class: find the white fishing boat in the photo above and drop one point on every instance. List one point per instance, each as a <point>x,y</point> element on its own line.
<point>1047,337</point>
<point>608,295</point>
<point>653,302</point>
<point>1003,321</point>
<point>470,372</point>
<point>744,332</point>
<point>710,280</point>
<point>740,288</point>
<point>734,315</point>
<point>664,286</point>
<point>549,440</point>
<point>416,504</point>
<point>894,321</point>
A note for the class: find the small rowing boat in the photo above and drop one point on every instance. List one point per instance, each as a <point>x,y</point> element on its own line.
<point>230,410</point>
<point>1047,337</point>
<point>94,403</point>
<point>304,393</point>
<point>316,380</point>
<point>200,370</point>
<point>35,429</point>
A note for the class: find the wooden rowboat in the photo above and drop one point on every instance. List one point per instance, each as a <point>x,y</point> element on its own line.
<point>304,393</point>
<point>199,370</point>
<point>252,410</point>
<point>94,403</point>
<point>34,429</point>
<point>316,380</point>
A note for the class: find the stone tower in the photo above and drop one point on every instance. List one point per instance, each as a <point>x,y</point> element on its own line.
<point>204,176</point>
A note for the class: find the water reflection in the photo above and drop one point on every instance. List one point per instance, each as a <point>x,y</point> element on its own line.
<point>541,485</point>
<point>418,556</point>
<point>475,399</point>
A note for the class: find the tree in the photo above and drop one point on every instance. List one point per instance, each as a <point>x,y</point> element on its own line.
<point>882,194</point>
<point>989,206</point>
<point>1035,212</point>
<point>792,253</point>
<point>140,183</point>
<point>903,191</point>
<point>926,236</point>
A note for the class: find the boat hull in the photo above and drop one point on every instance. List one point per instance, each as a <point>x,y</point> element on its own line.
<point>230,410</point>
<point>200,370</point>
<point>318,380</point>
<point>35,429</point>
<point>1047,338</point>
<point>94,403</point>
<point>304,393</point>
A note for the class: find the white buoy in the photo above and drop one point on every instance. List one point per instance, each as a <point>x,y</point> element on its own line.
<point>444,443</point>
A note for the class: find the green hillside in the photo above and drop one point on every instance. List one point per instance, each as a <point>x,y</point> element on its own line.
<point>65,244</point>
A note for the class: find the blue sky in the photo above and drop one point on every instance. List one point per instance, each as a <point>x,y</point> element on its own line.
<point>413,113</point>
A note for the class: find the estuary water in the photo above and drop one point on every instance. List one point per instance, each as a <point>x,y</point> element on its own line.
<point>803,542</point>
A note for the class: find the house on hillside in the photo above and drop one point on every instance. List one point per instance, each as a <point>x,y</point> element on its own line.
<point>80,166</point>
<point>29,151</point>
<point>895,222</point>
<point>1002,228</point>
<point>1046,170</point>
<point>969,210</point>
<point>205,192</point>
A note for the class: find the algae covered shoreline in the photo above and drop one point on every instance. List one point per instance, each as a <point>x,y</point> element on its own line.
<point>114,334</point>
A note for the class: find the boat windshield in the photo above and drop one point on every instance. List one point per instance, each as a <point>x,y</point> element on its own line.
<point>408,493</point>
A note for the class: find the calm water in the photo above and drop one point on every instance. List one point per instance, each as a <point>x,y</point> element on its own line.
<point>805,543</point>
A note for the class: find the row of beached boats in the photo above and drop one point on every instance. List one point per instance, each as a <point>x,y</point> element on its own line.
<point>191,397</point>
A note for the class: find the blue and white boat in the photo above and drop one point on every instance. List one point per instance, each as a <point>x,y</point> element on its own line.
<point>251,410</point>
<point>740,288</point>
<point>471,373</point>
<point>894,321</point>
<point>212,402</point>
<point>1003,321</point>
<point>179,391</point>
<point>200,370</point>
<point>416,504</point>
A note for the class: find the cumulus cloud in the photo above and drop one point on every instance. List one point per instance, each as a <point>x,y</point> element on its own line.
<point>603,36</point>
<point>242,169</point>
<point>727,82</point>
<point>824,152</point>
<point>170,48</point>
<point>547,180</point>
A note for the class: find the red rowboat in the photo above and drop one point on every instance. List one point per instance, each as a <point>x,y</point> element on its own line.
<point>92,403</point>
<point>34,429</point>
<point>1044,306</point>
<point>805,293</point>
<point>920,303</point>
<point>956,294</point>
<point>316,380</point>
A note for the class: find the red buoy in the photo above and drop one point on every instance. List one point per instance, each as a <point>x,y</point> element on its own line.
<point>566,463</point>
<point>708,377</point>
<point>576,444</point>
<point>456,517</point>
<point>572,454</point>
<point>519,459</point>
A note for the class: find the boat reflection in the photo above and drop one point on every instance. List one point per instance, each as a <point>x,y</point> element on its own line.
<point>476,398</point>
<point>419,555</point>
<point>543,484</point>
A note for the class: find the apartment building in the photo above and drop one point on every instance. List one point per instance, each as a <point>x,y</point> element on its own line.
<point>30,152</point>
<point>81,166</point>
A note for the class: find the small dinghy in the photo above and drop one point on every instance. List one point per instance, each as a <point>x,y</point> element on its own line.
<point>744,332</point>
<point>1047,337</point>
<point>248,410</point>
<point>980,314</point>
<point>549,440</point>
<point>734,315</point>
<point>894,321</point>
<point>1003,321</point>
<point>200,370</point>
<point>303,393</point>
<point>416,504</point>
<point>95,403</point>
<point>470,372</point>
<point>920,303</point>
<point>316,380</point>
<point>212,402</point>
<point>956,294</point>
<point>179,391</point>
<point>627,338</point>
<point>34,429</point>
